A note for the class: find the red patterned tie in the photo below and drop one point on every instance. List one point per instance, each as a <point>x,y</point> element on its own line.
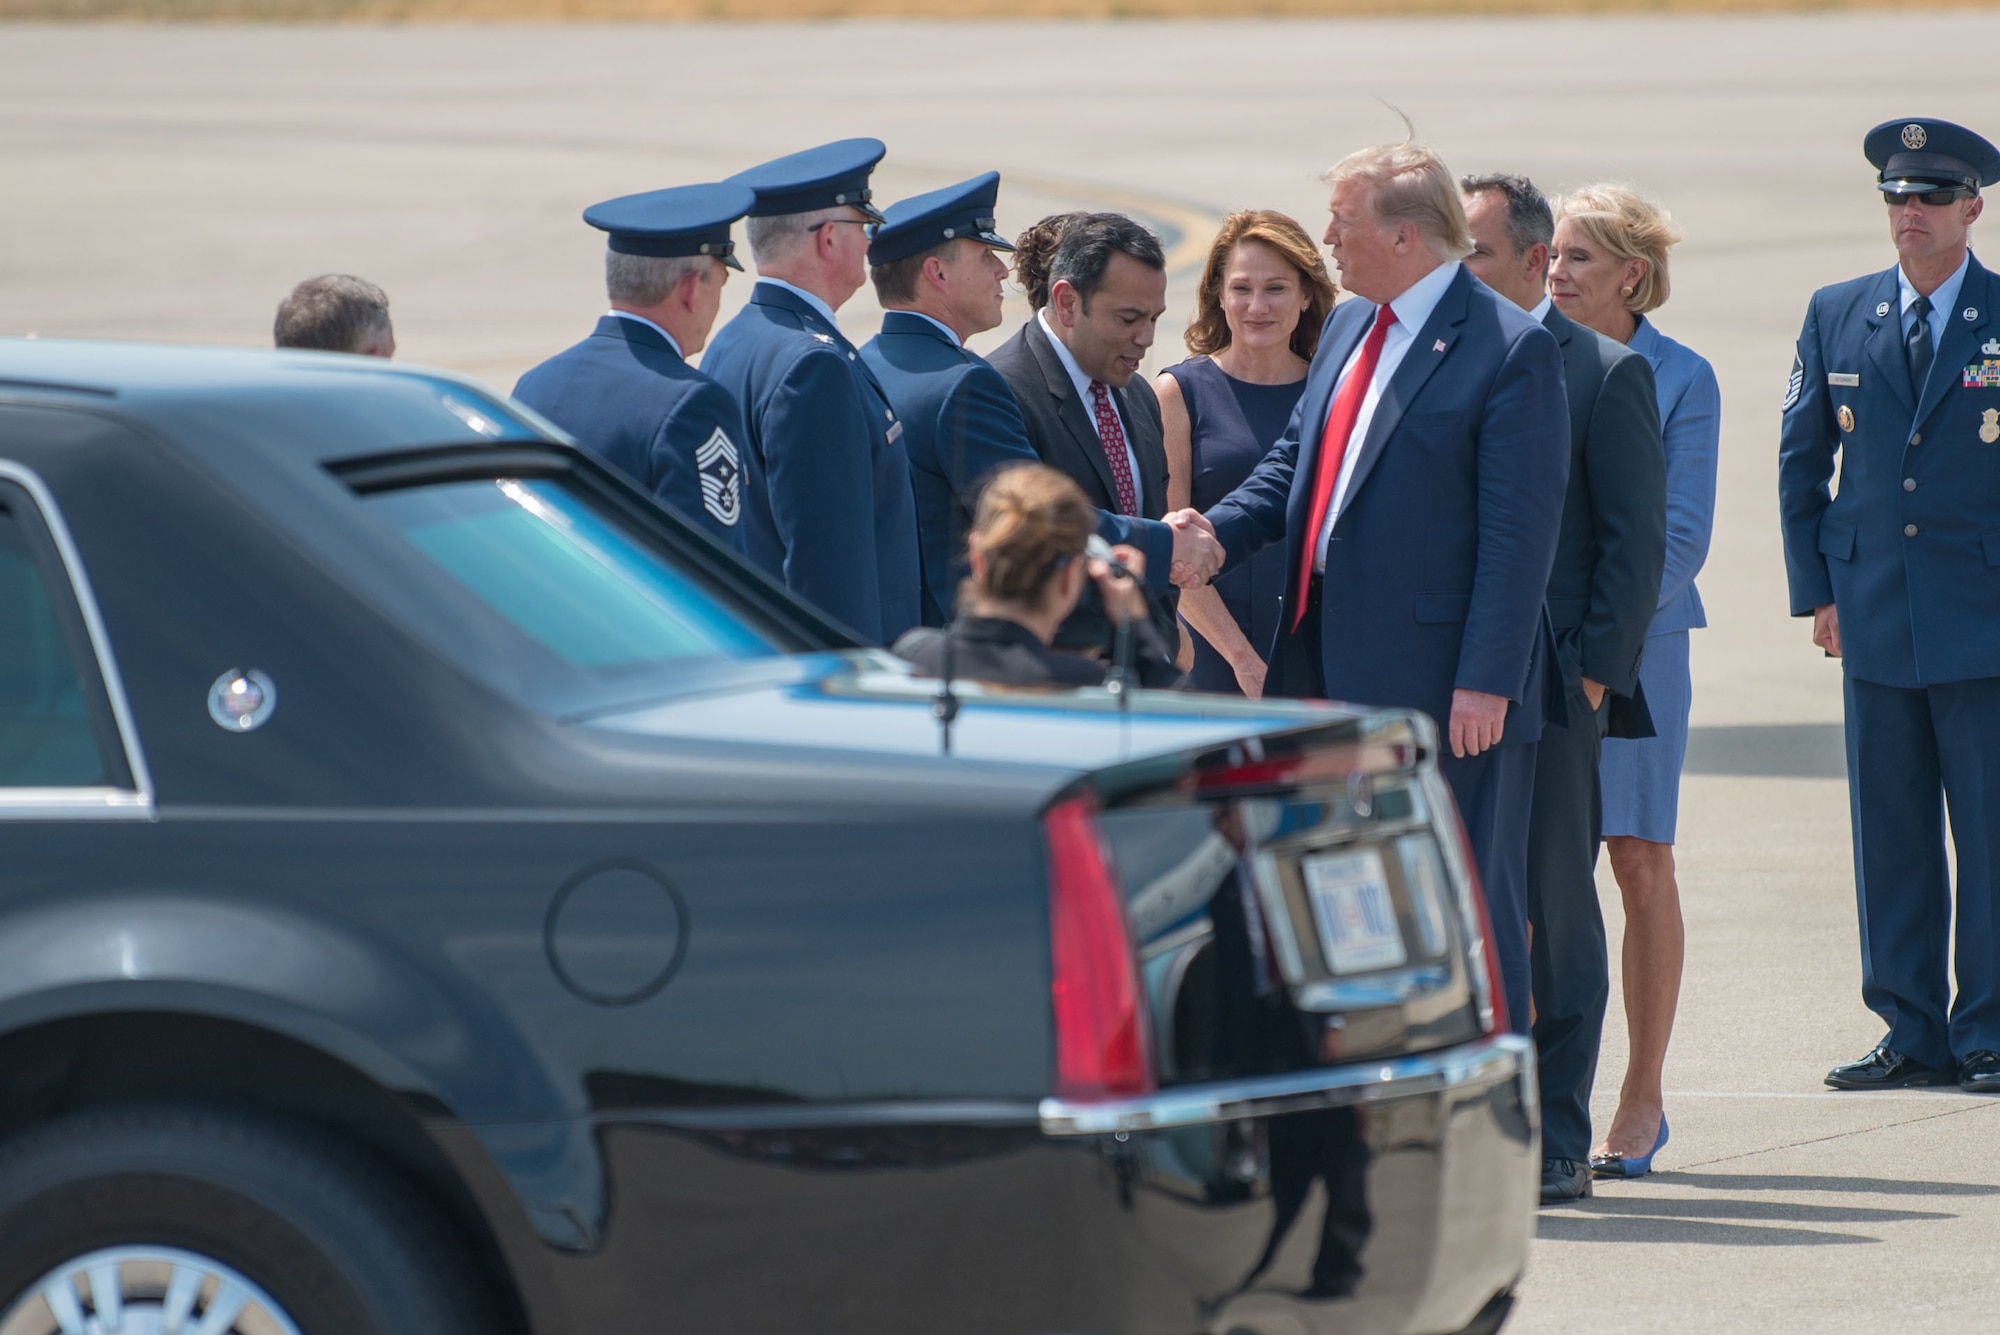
<point>1111,436</point>
<point>1333,445</point>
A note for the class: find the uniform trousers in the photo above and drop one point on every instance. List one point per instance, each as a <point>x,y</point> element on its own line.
<point>1571,972</point>
<point>1911,754</point>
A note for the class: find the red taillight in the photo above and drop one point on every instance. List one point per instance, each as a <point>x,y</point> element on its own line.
<point>1496,986</point>
<point>1101,1047</point>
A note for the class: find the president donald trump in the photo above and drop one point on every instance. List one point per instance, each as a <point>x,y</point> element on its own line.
<point>1418,492</point>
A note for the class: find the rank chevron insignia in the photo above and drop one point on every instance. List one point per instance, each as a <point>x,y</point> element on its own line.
<point>721,477</point>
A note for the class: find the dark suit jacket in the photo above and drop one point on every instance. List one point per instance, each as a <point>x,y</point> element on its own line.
<point>1439,563</point>
<point>628,398</point>
<point>1613,541</point>
<point>1061,429</point>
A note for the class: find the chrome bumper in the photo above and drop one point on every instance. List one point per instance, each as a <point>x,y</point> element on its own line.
<point>1482,1063</point>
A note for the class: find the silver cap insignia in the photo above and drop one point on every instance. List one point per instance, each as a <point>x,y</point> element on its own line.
<point>1914,136</point>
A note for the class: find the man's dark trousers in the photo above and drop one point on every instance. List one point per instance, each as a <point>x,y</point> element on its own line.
<point>1911,752</point>
<point>1567,953</point>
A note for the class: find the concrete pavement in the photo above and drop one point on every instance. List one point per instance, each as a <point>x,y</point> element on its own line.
<point>173,183</point>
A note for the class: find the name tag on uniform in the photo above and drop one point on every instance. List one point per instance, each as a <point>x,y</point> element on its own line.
<point>1850,379</point>
<point>895,432</point>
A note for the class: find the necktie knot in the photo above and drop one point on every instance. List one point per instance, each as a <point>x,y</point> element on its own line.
<point>1384,317</point>
<point>1921,307</point>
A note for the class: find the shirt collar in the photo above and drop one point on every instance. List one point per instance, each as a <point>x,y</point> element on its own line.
<point>672,342</point>
<point>1420,298</point>
<point>943,328</point>
<point>1540,314</point>
<point>1945,299</point>
<point>825,311</point>
<point>1076,375</point>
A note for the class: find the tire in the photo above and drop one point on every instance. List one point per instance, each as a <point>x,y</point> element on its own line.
<point>332,1241</point>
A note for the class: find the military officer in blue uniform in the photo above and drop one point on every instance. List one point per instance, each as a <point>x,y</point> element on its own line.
<point>627,393</point>
<point>827,502</point>
<point>935,262</point>
<point>1897,379</point>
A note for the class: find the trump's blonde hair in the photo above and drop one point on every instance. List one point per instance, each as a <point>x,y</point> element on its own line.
<point>1629,227</point>
<point>1411,184</point>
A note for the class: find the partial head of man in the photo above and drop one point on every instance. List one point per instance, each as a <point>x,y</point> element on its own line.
<point>938,254</point>
<point>336,312</point>
<point>1511,225</point>
<point>1396,216</point>
<point>668,253</point>
<point>809,223</point>
<point>1107,292</point>
<point>1930,173</point>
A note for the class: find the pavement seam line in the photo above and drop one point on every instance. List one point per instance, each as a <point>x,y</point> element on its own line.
<point>1838,1135</point>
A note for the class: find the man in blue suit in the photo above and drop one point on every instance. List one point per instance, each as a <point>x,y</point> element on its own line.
<point>938,275</point>
<point>627,393</point>
<point>1418,492</point>
<point>827,502</point>
<point>1897,378</point>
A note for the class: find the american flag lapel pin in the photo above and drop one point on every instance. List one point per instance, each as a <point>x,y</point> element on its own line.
<point>1438,346</point>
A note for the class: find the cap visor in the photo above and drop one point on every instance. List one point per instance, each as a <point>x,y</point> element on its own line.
<point>874,214</point>
<point>733,262</point>
<point>995,240</point>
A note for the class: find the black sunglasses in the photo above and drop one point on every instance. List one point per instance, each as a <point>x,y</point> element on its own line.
<point>1936,199</point>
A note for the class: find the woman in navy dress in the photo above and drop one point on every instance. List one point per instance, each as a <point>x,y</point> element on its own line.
<point>1264,295</point>
<point>1608,267</point>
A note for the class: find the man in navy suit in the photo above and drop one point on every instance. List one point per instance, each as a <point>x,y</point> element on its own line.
<point>938,275</point>
<point>1897,379</point>
<point>1418,492</point>
<point>627,393</point>
<point>827,505</point>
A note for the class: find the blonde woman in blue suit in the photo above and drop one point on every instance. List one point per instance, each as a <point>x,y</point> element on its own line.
<point>1609,268</point>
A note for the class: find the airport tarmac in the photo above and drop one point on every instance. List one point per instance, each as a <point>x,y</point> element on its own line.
<point>174,182</point>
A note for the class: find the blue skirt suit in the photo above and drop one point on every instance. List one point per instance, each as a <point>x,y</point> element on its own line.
<point>1642,777</point>
<point>1233,423</point>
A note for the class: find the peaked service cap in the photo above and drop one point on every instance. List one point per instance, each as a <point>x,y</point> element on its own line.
<point>680,221</point>
<point>1921,154</point>
<point>815,178</point>
<point>914,225</point>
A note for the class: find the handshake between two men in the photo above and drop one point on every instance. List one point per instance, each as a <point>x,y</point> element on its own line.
<point>1198,554</point>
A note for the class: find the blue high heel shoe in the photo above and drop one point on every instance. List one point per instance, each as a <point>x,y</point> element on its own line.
<point>1617,1165</point>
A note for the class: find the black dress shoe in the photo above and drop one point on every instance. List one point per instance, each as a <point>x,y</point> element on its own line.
<point>1981,1073</point>
<point>1886,1068</point>
<point>1564,1180</point>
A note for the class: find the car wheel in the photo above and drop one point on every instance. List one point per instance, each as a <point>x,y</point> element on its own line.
<point>169,1220</point>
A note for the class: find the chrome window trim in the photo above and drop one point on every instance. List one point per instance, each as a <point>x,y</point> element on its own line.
<point>93,802</point>
<point>1481,1064</point>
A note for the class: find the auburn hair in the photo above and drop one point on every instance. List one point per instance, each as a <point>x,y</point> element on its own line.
<point>1208,327</point>
<point>1031,521</point>
<point>1035,253</point>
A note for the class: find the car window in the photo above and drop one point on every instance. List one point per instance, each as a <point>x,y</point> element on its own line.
<point>567,576</point>
<point>46,736</point>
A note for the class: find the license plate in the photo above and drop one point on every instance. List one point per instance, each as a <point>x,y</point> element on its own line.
<point>1349,893</point>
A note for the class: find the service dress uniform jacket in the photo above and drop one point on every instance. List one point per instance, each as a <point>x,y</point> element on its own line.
<point>960,424</point>
<point>629,398</point>
<point>1064,436</point>
<point>1908,552</point>
<point>827,502</point>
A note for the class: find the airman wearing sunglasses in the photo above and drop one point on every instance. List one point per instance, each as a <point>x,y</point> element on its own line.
<point>1897,384</point>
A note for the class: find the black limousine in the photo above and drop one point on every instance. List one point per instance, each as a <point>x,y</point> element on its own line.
<point>442,892</point>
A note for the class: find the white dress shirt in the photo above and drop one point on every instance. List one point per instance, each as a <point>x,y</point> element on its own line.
<point>1412,309</point>
<point>943,328</point>
<point>1540,315</point>
<point>803,295</point>
<point>1944,302</point>
<point>1083,383</point>
<point>672,342</point>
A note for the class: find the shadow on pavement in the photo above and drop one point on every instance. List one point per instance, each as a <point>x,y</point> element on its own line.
<point>1650,1229</point>
<point>1790,1212</point>
<point>1769,751</point>
<point>1870,1186</point>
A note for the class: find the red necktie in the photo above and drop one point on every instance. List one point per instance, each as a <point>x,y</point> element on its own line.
<point>1111,436</point>
<point>1333,445</point>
